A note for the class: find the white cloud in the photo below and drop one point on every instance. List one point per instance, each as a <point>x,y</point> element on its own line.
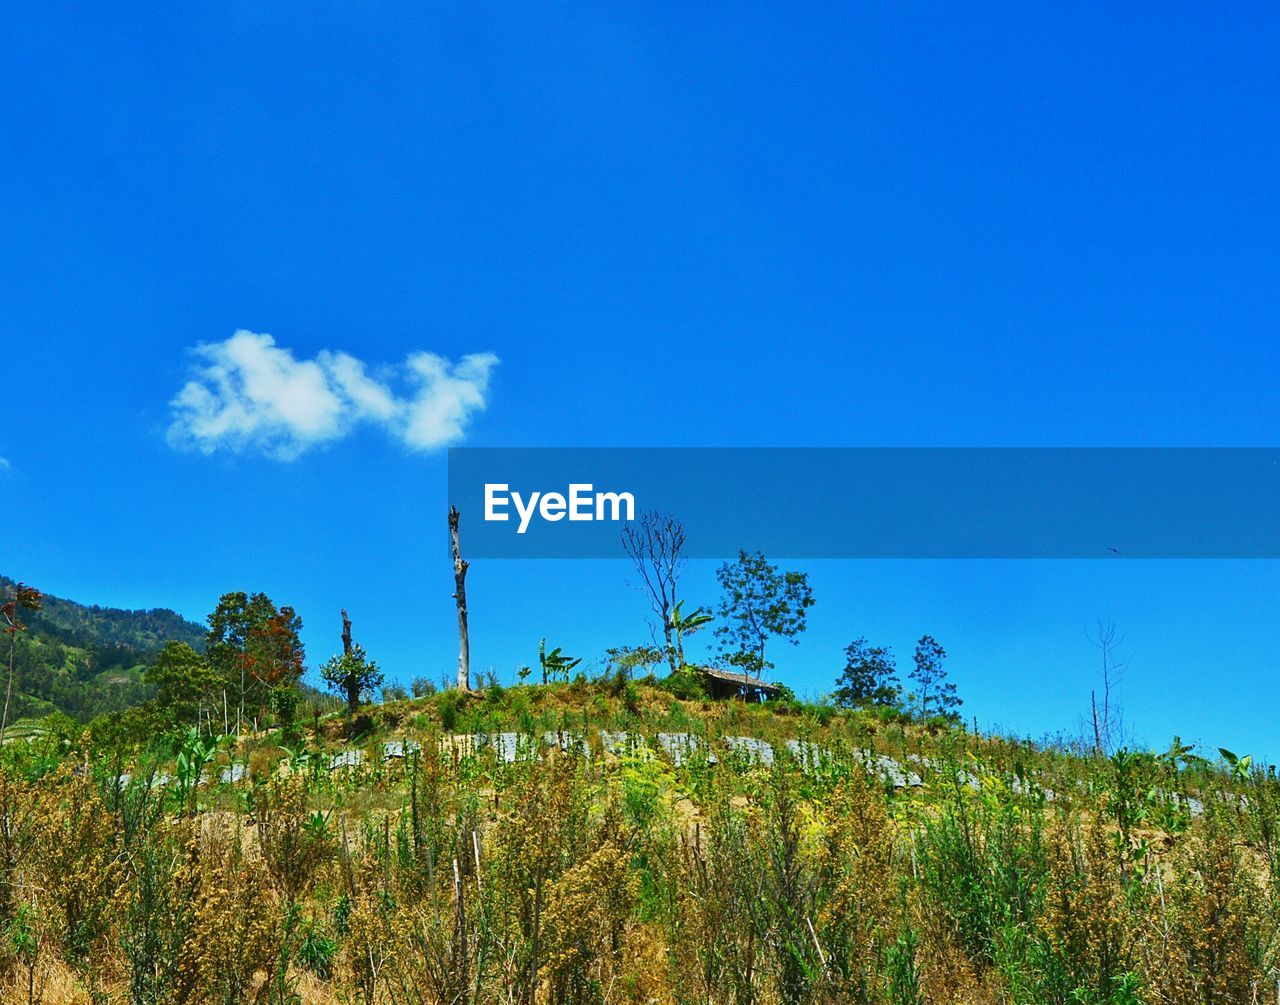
<point>248,394</point>
<point>445,397</point>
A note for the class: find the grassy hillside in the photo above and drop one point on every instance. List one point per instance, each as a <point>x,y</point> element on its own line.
<point>607,843</point>
<point>86,660</point>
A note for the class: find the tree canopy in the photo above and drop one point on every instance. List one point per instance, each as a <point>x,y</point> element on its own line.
<point>870,677</point>
<point>352,675</point>
<point>758,602</point>
<point>935,695</point>
<point>254,649</point>
<point>185,683</point>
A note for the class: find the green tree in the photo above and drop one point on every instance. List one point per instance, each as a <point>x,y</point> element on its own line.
<point>870,677</point>
<point>254,648</point>
<point>758,602</point>
<point>935,695</point>
<point>352,675</point>
<point>628,659</point>
<point>185,683</point>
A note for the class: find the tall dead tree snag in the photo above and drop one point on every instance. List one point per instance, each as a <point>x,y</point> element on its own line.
<point>346,633</point>
<point>655,546</point>
<point>1108,724</point>
<point>460,595</point>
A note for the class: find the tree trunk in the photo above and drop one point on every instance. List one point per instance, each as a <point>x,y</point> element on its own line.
<point>671,649</point>
<point>353,685</point>
<point>460,595</point>
<point>13,648</point>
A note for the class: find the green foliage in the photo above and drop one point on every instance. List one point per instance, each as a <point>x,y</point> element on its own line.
<point>447,706</point>
<point>23,939</point>
<point>316,948</point>
<point>555,665</point>
<point>981,862</point>
<point>453,875</point>
<point>758,602</point>
<point>934,695</point>
<point>119,638</point>
<point>629,659</point>
<point>129,730</point>
<point>352,676</point>
<point>904,973</point>
<point>784,695</point>
<point>870,677</point>
<point>88,661</point>
<point>684,625</point>
<point>645,782</point>
<point>1240,766</point>
<point>194,753</point>
<point>395,692</point>
<point>686,684</point>
<point>254,649</point>
<point>184,681</point>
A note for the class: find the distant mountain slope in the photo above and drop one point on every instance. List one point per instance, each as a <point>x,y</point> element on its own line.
<point>86,660</point>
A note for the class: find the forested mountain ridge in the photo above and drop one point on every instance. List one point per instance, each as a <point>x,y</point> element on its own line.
<point>85,659</point>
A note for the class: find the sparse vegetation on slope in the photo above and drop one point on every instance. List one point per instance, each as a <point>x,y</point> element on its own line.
<point>607,842</point>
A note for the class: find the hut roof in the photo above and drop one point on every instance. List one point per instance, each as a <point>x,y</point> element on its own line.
<point>739,679</point>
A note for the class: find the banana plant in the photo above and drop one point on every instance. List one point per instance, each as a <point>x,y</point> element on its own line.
<point>1181,754</point>
<point>555,665</point>
<point>686,624</point>
<point>193,754</point>
<point>298,758</point>
<point>1240,766</point>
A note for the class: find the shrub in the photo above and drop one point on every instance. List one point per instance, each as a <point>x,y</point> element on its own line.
<point>394,692</point>
<point>447,706</point>
<point>631,698</point>
<point>316,949</point>
<point>782,695</point>
<point>821,714</point>
<point>685,685</point>
<point>495,693</point>
<point>613,682</point>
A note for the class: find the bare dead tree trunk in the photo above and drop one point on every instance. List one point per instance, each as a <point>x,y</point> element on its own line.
<point>8,692</point>
<point>655,546</point>
<point>1108,724</point>
<point>352,683</point>
<point>461,969</point>
<point>460,567</point>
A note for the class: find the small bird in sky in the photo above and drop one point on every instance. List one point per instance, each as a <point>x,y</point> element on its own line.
<point>1116,551</point>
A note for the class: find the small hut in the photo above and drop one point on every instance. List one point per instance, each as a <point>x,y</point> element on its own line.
<point>724,684</point>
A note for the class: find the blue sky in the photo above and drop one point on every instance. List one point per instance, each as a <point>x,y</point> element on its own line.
<point>893,225</point>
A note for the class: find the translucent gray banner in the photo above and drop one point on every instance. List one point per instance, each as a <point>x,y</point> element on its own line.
<point>874,503</point>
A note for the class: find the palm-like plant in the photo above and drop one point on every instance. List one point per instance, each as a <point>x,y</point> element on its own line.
<point>686,624</point>
<point>193,754</point>
<point>555,665</point>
